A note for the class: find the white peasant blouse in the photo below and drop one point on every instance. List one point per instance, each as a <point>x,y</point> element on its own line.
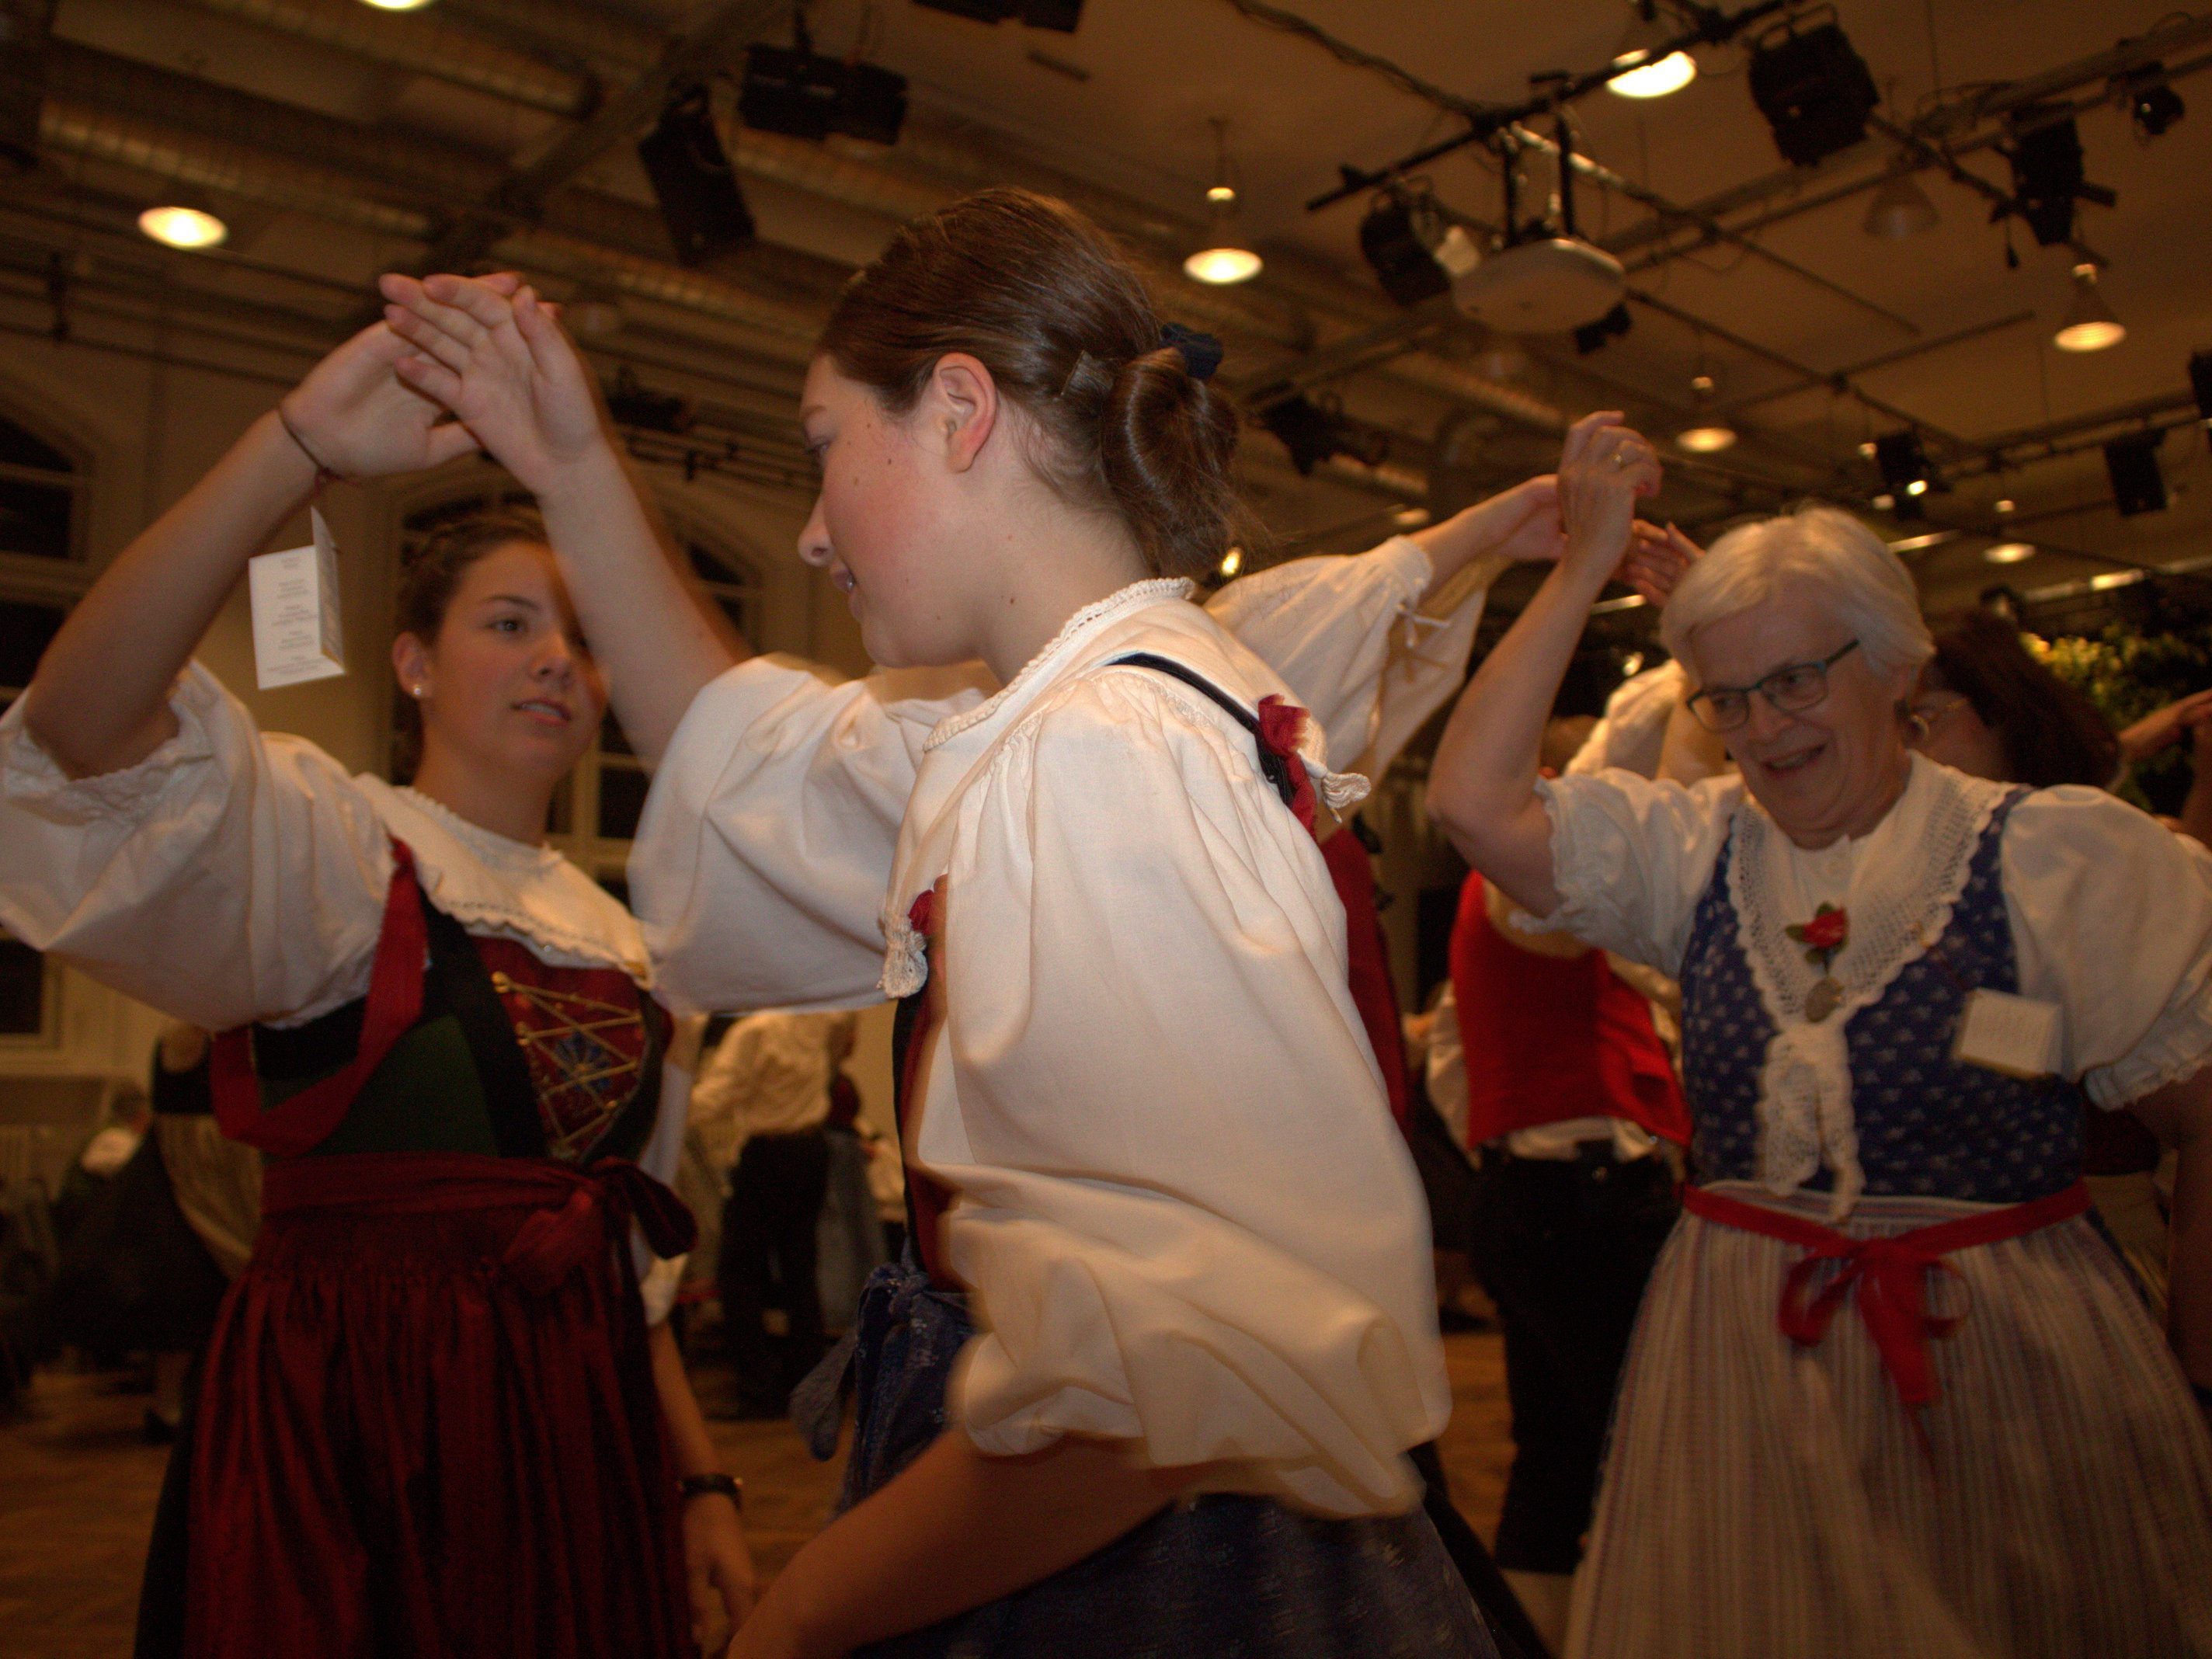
<point>1187,1218</point>
<point>232,878</point>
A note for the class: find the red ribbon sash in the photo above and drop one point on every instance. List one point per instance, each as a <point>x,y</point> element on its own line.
<point>1890,1274</point>
<point>394,1004</point>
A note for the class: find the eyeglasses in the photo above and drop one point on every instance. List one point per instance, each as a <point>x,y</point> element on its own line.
<point>1792,689</point>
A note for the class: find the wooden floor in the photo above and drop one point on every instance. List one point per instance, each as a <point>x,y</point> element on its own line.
<point>77,1485</point>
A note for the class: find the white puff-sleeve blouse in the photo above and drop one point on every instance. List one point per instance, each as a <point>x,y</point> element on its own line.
<point>233,877</point>
<point>759,863</point>
<point>2110,912</point>
<point>1187,1219</point>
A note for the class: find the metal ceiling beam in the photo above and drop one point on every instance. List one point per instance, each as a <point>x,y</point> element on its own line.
<point>1839,379</point>
<point>420,43</point>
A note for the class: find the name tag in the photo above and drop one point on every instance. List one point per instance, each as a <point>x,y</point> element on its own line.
<point>2008,1034</point>
<point>294,597</point>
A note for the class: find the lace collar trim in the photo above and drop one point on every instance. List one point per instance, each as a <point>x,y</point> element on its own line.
<point>1119,603</point>
<point>1908,879</point>
<point>491,884</point>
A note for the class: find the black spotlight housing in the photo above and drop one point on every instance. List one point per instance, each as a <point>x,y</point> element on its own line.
<point>1814,90</point>
<point>2152,105</point>
<point>2138,482</point>
<point>2047,177</point>
<point>1310,433</point>
<point>2200,383</point>
<point>1592,337</point>
<point>1398,236</point>
<point>1903,463</point>
<point>796,91</point>
<point>693,182</point>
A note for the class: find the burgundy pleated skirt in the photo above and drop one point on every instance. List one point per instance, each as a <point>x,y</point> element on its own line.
<point>428,1425</point>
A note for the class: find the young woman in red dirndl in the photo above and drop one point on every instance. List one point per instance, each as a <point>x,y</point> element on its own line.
<point>442,1413</point>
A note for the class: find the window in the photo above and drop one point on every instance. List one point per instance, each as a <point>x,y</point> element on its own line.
<point>27,628</point>
<point>40,490</point>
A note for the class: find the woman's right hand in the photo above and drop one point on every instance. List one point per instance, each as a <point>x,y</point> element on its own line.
<point>2163,728</point>
<point>504,367</point>
<point>1605,469</point>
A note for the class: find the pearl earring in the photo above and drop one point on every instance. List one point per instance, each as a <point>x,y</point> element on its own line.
<point>416,690</point>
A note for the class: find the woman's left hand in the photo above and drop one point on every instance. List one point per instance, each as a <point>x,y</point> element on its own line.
<point>353,416</point>
<point>720,1567</point>
<point>1521,524</point>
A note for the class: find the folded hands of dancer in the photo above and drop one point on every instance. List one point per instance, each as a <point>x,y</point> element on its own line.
<point>491,351</point>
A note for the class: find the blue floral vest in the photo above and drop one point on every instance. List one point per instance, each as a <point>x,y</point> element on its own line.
<point>1928,1125</point>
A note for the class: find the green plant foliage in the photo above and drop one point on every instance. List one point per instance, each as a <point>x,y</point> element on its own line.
<point>2128,675</point>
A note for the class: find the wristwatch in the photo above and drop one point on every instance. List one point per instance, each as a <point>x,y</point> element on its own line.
<point>697,1485</point>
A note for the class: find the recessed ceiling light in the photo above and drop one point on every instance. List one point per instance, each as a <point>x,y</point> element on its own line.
<point>1223,266</point>
<point>1917,487</point>
<point>175,226</point>
<point>2008,552</point>
<point>2116,579</point>
<point>397,5</point>
<point>1410,518</point>
<point>2006,504</point>
<point>1708,438</point>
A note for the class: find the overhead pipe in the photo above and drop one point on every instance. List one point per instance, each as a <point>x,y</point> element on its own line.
<point>420,44</point>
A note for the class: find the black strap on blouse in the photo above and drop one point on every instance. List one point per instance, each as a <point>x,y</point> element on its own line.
<point>1275,767</point>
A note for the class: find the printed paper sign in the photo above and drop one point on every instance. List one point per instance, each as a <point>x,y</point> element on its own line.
<point>295,596</point>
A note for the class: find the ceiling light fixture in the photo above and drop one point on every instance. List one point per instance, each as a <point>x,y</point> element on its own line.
<point>397,5</point>
<point>1232,562</point>
<point>1224,259</point>
<point>2006,504</point>
<point>693,182</point>
<point>2138,481</point>
<point>1410,518</point>
<point>1900,208</point>
<point>2090,324</point>
<point>2008,552</point>
<point>1646,69</point>
<point>1708,438</point>
<point>175,225</point>
<point>1905,472</point>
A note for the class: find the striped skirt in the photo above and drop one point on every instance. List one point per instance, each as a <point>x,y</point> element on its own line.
<point>1763,1500</point>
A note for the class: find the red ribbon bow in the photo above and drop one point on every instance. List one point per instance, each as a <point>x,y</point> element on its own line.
<point>1280,724</point>
<point>1889,1274</point>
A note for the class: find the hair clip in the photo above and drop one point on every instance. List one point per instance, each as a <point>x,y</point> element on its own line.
<point>1202,352</point>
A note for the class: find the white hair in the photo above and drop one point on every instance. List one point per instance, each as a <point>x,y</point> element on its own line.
<point>1822,552</point>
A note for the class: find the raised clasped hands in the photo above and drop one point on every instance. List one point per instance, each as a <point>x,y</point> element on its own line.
<point>1605,469</point>
<point>356,415</point>
<point>489,350</point>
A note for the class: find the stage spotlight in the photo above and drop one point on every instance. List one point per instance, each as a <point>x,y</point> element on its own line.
<point>1593,337</point>
<point>1398,237</point>
<point>2200,383</point>
<point>2152,105</point>
<point>2045,155</point>
<point>700,201</point>
<point>2138,483</point>
<point>1815,91</point>
<point>2089,324</point>
<point>1310,433</point>
<point>796,91</point>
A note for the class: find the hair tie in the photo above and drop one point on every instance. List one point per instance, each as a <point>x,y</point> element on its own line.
<point>1202,352</point>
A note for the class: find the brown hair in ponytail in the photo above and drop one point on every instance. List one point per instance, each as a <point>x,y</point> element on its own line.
<point>1041,297</point>
<point>429,575</point>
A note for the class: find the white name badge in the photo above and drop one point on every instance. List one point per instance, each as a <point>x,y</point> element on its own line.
<point>2008,1034</point>
<point>294,597</point>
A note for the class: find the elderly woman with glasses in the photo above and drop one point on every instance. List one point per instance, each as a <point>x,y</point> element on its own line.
<point>1891,1391</point>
